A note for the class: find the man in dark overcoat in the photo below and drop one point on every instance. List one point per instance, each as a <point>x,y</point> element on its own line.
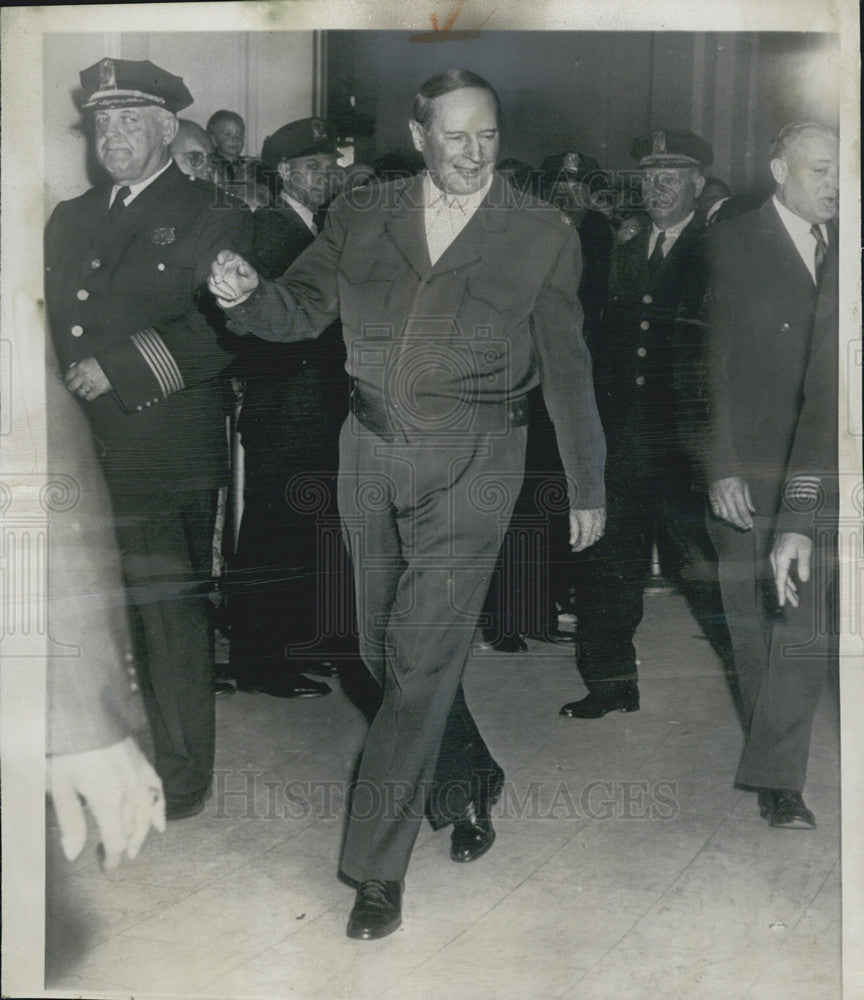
<point>295,397</point>
<point>641,354</point>
<point>125,267</point>
<point>457,297</point>
<point>768,357</point>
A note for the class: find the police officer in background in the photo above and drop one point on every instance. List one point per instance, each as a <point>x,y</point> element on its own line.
<point>294,401</point>
<point>644,359</point>
<point>125,267</point>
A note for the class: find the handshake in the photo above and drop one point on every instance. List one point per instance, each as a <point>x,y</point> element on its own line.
<point>232,279</point>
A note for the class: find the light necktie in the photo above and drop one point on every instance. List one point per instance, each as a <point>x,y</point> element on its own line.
<point>118,206</point>
<point>821,250</point>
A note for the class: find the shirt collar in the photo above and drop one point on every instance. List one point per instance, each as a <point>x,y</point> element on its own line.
<point>434,197</point>
<point>795,225</point>
<point>136,189</point>
<point>673,232</point>
<point>305,213</point>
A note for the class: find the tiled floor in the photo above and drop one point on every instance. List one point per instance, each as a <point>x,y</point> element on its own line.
<point>626,865</point>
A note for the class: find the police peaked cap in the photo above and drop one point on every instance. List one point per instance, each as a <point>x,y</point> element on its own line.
<point>672,147</point>
<point>127,83</point>
<point>305,137</point>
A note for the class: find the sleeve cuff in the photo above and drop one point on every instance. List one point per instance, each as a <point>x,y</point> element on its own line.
<point>141,370</point>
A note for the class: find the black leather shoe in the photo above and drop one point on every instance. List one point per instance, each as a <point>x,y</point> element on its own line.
<point>473,833</point>
<point>223,687</point>
<point>293,686</point>
<point>506,643</point>
<point>377,910</point>
<point>784,808</point>
<point>321,668</point>
<point>595,705</point>
<point>184,806</point>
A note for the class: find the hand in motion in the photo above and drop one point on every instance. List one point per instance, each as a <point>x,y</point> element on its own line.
<point>586,527</point>
<point>86,379</point>
<point>232,279</point>
<point>730,500</point>
<point>789,548</point>
<point>121,790</point>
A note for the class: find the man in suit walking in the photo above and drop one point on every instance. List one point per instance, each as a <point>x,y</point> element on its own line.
<point>457,297</point>
<point>125,268</point>
<point>641,353</point>
<point>767,273</point>
<point>295,397</point>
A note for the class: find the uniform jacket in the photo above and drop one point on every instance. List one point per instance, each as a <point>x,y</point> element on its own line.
<point>646,356</point>
<point>129,293</point>
<point>761,311</point>
<point>494,317</point>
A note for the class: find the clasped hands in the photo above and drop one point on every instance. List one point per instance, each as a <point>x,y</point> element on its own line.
<point>232,279</point>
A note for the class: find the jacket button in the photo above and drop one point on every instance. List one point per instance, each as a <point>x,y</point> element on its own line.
<point>96,264</point>
<point>160,267</point>
<point>641,352</point>
<point>76,330</point>
<point>82,294</point>
<point>139,407</point>
<point>785,326</point>
<point>644,325</point>
<point>640,380</point>
<point>647,299</point>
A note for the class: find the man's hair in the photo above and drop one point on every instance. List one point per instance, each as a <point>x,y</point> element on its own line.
<point>446,83</point>
<point>790,135</point>
<point>186,128</point>
<point>224,116</point>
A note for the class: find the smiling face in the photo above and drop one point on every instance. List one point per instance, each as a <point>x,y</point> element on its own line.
<point>670,193</point>
<point>460,141</point>
<point>228,136</point>
<point>132,143</point>
<point>807,177</point>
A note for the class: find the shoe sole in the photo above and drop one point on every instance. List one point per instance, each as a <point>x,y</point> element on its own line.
<point>574,715</point>
<point>366,935</point>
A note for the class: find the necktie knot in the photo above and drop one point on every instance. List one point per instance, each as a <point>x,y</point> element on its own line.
<point>119,204</point>
<point>820,250</point>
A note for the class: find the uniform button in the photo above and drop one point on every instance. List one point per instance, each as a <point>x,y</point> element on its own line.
<point>148,403</point>
<point>76,330</point>
<point>96,264</point>
<point>303,362</point>
<point>647,299</point>
<point>133,686</point>
<point>82,294</point>
<point>644,325</point>
<point>785,326</point>
<point>160,267</point>
<point>640,380</point>
<point>641,352</point>
<point>139,407</point>
<point>130,671</point>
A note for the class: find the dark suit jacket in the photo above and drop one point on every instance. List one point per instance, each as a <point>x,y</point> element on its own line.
<point>761,310</point>
<point>812,489</point>
<point>129,294</point>
<point>498,313</point>
<point>650,339</point>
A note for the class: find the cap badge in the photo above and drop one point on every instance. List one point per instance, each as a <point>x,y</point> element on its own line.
<point>571,162</point>
<point>319,130</point>
<point>658,142</point>
<point>107,75</point>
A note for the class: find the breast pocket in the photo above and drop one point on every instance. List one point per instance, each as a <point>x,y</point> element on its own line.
<point>366,286</point>
<point>493,305</point>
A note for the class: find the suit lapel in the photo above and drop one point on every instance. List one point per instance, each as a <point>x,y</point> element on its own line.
<point>777,236</point>
<point>406,228</point>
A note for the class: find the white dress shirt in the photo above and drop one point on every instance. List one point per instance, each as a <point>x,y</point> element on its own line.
<point>446,215</point>
<point>136,189</point>
<point>799,231</point>
<point>669,235</point>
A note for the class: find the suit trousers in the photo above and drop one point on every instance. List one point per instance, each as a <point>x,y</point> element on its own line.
<point>781,655</point>
<point>166,548</point>
<point>645,502</point>
<point>424,518</point>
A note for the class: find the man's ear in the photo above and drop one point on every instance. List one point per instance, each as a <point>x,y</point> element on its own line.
<point>170,127</point>
<point>698,183</point>
<point>780,170</point>
<point>284,169</point>
<point>418,134</point>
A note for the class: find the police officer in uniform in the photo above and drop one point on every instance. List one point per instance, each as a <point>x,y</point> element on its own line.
<point>143,352</point>
<point>295,398</point>
<point>642,370</point>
